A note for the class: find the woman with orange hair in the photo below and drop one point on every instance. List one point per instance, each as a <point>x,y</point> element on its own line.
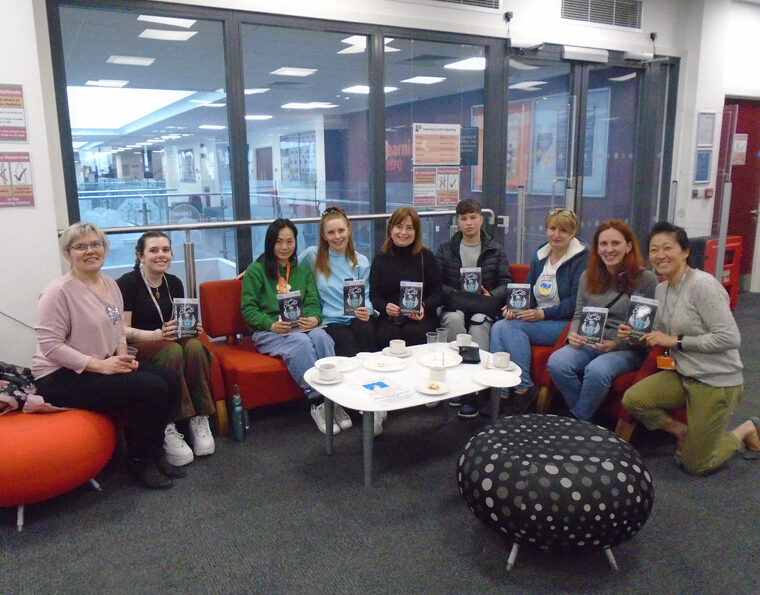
<point>584,371</point>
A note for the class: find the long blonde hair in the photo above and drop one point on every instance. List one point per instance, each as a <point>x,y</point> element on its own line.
<point>322,263</point>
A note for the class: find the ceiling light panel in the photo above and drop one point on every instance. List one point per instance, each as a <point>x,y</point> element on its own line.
<point>310,105</point>
<point>467,64</point>
<point>163,35</point>
<point>106,83</point>
<point>364,89</point>
<point>211,127</point>
<point>130,60</point>
<point>291,71</point>
<point>171,21</point>
<point>424,80</point>
<point>258,117</point>
<point>256,91</point>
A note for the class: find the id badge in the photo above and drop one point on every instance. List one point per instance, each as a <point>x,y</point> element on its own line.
<point>666,362</point>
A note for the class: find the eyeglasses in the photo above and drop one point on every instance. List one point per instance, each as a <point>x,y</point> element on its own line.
<point>561,211</point>
<point>331,210</point>
<point>96,245</point>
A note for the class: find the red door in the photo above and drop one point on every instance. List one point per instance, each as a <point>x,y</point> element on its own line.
<point>745,192</point>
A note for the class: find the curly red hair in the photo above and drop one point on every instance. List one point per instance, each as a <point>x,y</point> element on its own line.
<point>598,278</point>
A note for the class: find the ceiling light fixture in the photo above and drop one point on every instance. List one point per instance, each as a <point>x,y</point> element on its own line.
<point>424,80</point>
<point>625,77</point>
<point>474,63</point>
<point>364,89</point>
<point>527,85</point>
<point>311,105</point>
<point>256,91</point>
<point>211,127</point>
<point>171,21</point>
<point>106,83</point>
<point>163,35</point>
<point>258,117</point>
<point>292,71</point>
<point>130,60</point>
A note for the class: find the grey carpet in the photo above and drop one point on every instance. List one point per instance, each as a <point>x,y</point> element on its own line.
<point>276,515</point>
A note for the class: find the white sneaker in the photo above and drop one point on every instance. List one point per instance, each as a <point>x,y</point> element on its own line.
<point>318,415</point>
<point>177,451</point>
<point>341,418</point>
<point>201,436</point>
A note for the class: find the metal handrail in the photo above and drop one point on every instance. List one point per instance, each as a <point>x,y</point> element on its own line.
<point>188,227</point>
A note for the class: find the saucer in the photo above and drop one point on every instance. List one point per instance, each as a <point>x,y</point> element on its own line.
<point>512,368</point>
<point>387,351</point>
<point>496,378</point>
<point>455,346</point>
<point>345,364</point>
<point>384,363</point>
<point>425,389</point>
<point>316,379</point>
<point>445,359</point>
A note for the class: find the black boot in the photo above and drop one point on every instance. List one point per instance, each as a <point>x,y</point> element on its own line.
<point>165,467</point>
<point>147,473</point>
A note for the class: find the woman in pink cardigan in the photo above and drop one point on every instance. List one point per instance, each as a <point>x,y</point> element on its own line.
<point>81,359</point>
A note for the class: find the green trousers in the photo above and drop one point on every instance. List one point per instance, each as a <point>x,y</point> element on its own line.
<point>707,445</point>
<point>190,359</point>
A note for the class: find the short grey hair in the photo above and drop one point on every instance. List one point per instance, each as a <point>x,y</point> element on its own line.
<point>78,230</point>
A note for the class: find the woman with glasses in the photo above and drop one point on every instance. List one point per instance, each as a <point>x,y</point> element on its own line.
<point>583,371</point>
<point>269,286</point>
<point>81,358</point>
<point>404,258</point>
<point>334,262</point>
<point>149,292</point>
<point>702,370</point>
<point>555,271</point>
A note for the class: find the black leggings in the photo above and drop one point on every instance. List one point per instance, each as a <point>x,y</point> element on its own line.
<point>145,396</point>
<point>412,331</point>
<point>352,338</point>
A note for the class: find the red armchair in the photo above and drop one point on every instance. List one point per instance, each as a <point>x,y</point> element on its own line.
<point>262,379</point>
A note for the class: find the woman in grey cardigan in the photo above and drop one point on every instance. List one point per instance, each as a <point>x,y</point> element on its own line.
<point>583,370</point>
<point>694,323</point>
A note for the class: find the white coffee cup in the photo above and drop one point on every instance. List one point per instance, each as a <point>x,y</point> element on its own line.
<point>463,339</point>
<point>501,359</point>
<point>327,371</point>
<point>398,346</point>
<point>438,374</point>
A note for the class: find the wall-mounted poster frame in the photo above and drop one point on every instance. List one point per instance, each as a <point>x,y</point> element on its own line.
<point>702,167</point>
<point>298,159</point>
<point>476,177</point>
<point>595,144</point>
<point>705,128</point>
<point>186,162</point>
<point>549,147</point>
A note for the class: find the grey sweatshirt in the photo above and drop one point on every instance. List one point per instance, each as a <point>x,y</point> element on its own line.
<point>616,316</point>
<point>698,309</point>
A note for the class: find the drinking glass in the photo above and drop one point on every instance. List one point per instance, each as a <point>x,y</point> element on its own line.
<point>443,336</point>
<point>432,340</point>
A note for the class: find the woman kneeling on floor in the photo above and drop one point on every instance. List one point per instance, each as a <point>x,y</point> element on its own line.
<point>81,359</point>
<point>702,370</point>
<point>277,272</point>
<point>149,293</point>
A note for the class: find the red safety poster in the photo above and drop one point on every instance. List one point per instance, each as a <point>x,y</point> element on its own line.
<point>12,119</point>
<point>16,180</point>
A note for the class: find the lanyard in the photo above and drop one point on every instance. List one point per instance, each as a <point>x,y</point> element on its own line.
<point>669,326</point>
<point>283,285</point>
<point>153,297</point>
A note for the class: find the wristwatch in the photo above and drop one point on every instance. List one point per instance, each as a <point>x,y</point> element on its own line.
<point>679,344</point>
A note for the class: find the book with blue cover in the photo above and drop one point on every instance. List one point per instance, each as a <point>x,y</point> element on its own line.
<point>640,317</point>
<point>291,307</point>
<point>410,297</point>
<point>592,323</point>
<point>471,279</point>
<point>187,313</point>
<point>518,297</point>
<point>354,291</point>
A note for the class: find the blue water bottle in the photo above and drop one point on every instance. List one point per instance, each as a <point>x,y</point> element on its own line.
<point>238,416</point>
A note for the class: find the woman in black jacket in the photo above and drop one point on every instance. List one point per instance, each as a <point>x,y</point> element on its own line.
<point>404,258</point>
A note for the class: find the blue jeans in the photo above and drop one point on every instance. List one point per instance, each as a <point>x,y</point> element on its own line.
<point>515,337</point>
<point>298,350</point>
<point>584,375</point>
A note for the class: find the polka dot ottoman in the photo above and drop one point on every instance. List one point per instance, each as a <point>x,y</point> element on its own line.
<point>555,482</point>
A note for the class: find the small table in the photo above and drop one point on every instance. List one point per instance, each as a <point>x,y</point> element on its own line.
<point>349,393</point>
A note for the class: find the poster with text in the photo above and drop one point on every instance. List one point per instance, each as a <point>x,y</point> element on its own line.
<point>549,147</point>
<point>424,187</point>
<point>447,186</point>
<point>12,118</point>
<point>518,143</point>
<point>16,188</point>
<point>476,120</point>
<point>436,144</point>
<point>595,145</point>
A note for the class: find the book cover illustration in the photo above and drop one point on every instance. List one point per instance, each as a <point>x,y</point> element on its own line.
<point>353,295</point>
<point>640,317</point>
<point>592,323</point>
<point>187,313</point>
<point>410,297</point>
<point>385,392</point>
<point>291,307</point>
<point>518,297</point>
<point>471,278</point>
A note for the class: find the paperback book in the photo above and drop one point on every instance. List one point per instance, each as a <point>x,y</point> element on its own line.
<point>410,297</point>
<point>291,307</point>
<point>187,313</point>
<point>518,297</point>
<point>592,323</point>
<point>471,278</point>
<point>384,391</point>
<point>640,317</point>
<point>353,295</point>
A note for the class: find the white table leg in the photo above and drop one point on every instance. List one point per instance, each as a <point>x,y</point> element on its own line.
<point>611,558</point>
<point>495,398</point>
<point>329,413</point>
<point>368,427</point>
<point>512,555</point>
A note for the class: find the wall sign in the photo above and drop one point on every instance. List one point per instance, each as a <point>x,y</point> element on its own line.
<point>16,188</point>
<point>12,118</point>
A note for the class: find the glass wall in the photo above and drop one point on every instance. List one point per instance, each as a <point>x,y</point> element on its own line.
<point>306,121</point>
<point>148,120</point>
